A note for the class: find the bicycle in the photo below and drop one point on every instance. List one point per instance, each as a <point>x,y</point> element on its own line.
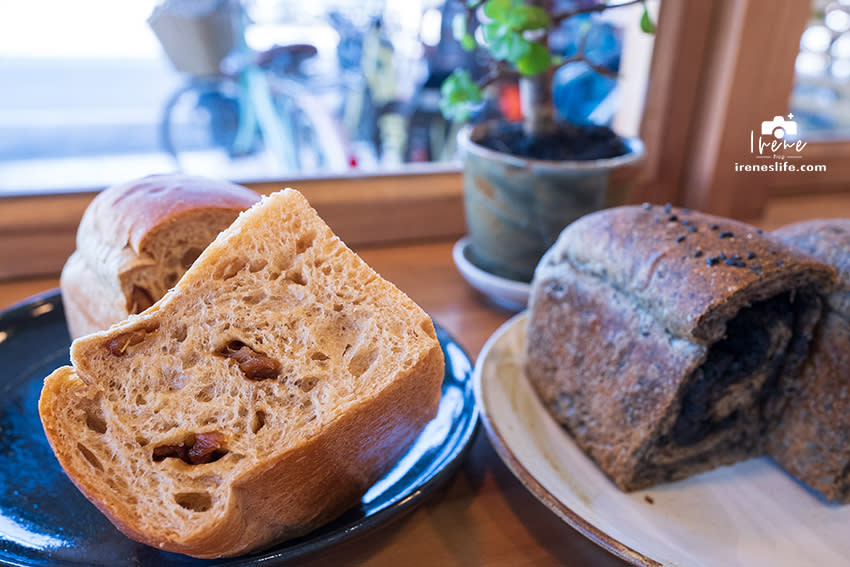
<point>254,102</point>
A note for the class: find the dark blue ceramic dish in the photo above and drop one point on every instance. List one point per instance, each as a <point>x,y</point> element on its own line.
<point>44,520</point>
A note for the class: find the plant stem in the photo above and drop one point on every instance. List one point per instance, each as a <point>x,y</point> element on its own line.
<point>537,104</point>
<point>535,93</point>
<point>498,71</point>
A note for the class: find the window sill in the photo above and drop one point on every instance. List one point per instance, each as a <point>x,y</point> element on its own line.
<point>37,232</point>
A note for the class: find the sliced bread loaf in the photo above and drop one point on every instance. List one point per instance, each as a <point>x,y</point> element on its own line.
<point>668,341</point>
<point>135,241</point>
<point>257,400</point>
<point>812,441</point>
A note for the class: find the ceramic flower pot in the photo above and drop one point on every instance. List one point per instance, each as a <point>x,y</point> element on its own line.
<point>516,207</point>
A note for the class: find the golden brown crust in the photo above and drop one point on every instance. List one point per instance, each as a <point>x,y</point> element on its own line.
<point>132,239</point>
<point>811,442</point>
<point>627,318</point>
<point>91,300</point>
<point>297,492</point>
<point>360,375</point>
<point>128,212</point>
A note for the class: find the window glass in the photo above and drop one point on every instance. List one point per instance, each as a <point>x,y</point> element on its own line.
<point>80,83</point>
<point>96,91</point>
<point>821,95</point>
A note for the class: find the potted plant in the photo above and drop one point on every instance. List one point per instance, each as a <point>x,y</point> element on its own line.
<point>524,181</point>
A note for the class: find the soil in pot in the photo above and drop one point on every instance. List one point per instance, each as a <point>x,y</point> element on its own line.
<point>516,206</point>
<point>567,143</point>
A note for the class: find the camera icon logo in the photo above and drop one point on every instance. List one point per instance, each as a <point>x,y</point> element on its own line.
<point>779,127</point>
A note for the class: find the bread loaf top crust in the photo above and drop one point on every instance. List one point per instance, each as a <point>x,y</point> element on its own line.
<point>128,213</point>
<point>137,238</point>
<point>828,240</point>
<point>655,254</point>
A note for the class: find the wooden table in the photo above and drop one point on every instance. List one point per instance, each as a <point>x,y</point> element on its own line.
<point>483,515</point>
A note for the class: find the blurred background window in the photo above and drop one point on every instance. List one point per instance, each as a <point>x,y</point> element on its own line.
<point>95,91</point>
<point>820,98</point>
<point>80,84</point>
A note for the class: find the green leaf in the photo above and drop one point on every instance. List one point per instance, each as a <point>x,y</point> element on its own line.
<point>459,26</point>
<point>517,47</point>
<point>460,33</point>
<point>460,96</point>
<point>525,18</point>
<point>493,30</point>
<point>498,10</point>
<point>535,61</point>
<point>504,44</point>
<point>646,23</point>
<point>498,41</point>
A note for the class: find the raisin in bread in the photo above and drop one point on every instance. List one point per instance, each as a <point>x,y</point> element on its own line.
<point>257,400</point>
<point>137,238</point>
<point>812,440</point>
<point>667,341</point>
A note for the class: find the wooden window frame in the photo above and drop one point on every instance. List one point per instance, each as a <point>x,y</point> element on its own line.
<point>37,232</point>
<point>725,66</point>
<point>836,178</point>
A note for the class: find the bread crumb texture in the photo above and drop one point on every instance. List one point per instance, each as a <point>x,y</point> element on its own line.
<point>277,334</point>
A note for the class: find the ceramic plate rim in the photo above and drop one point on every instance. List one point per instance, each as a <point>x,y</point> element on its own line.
<point>507,293</point>
<point>744,514</point>
<point>525,476</point>
<point>466,424</point>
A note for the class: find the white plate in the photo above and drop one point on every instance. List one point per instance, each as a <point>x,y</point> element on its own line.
<point>750,514</point>
<point>510,294</point>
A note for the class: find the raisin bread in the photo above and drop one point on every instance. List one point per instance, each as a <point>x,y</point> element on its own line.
<point>257,400</point>
<point>136,239</point>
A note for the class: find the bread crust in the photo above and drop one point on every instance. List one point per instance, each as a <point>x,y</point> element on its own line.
<point>289,485</point>
<point>128,234</point>
<point>625,310</point>
<point>811,442</point>
<point>128,212</point>
<point>292,494</point>
<point>611,420</point>
<point>666,268</point>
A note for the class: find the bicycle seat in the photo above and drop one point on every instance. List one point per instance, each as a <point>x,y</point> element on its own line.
<point>286,59</point>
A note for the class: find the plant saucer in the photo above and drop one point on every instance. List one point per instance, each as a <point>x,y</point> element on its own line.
<point>506,293</point>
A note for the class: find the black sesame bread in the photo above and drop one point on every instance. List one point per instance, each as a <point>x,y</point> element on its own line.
<point>813,438</point>
<point>667,341</point>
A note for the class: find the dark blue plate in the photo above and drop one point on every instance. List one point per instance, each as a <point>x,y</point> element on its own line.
<point>44,520</point>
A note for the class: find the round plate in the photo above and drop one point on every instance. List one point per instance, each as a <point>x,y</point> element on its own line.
<point>45,520</point>
<point>510,294</point>
<point>750,514</point>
